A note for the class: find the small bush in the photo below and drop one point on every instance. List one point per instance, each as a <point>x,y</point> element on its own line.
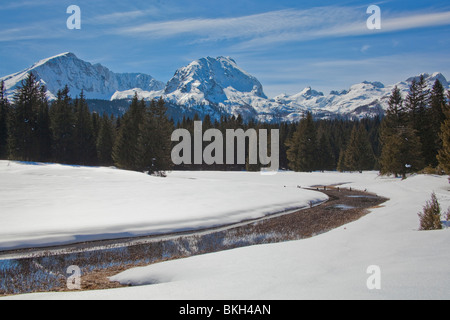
<point>447,218</point>
<point>430,219</point>
<point>431,170</point>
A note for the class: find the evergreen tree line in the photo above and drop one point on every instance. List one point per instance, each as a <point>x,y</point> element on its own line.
<point>414,134</point>
<point>309,145</point>
<point>344,145</point>
<point>65,131</point>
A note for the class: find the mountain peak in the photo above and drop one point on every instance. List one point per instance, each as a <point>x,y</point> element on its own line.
<point>430,79</point>
<point>211,77</point>
<point>69,55</point>
<point>97,81</point>
<point>309,92</point>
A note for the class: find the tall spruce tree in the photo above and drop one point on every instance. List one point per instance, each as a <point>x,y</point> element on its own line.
<point>85,152</point>
<point>105,141</point>
<point>444,154</point>
<point>401,147</point>
<point>418,105</point>
<point>302,147</point>
<point>4,113</point>
<point>438,106</point>
<point>162,139</point>
<point>43,131</point>
<point>126,148</point>
<point>359,154</point>
<point>154,143</point>
<point>62,124</point>
<point>23,125</point>
<point>325,156</point>
<point>146,143</point>
<point>341,167</point>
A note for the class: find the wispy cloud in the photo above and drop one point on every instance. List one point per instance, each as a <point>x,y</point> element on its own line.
<point>10,5</point>
<point>365,48</point>
<point>415,21</point>
<point>245,32</point>
<point>34,32</point>
<point>124,16</point>
<point>118,16</point>
<point>243,26</point>
<point>285,25</point>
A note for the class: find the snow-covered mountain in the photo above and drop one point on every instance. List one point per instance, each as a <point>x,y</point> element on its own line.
<point>361,100</point>
<point>213,86</point>
<point>97,81</point>
<point>216,86</point>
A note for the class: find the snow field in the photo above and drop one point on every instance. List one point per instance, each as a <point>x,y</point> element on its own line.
<point>49,204</point>
<point>413,264</point>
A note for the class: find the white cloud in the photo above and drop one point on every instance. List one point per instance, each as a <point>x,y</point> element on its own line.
<point>11,5</point>
<point>365,48</point>
<point>269,23</point>
<point>285,25</point>
<point>415,21</point>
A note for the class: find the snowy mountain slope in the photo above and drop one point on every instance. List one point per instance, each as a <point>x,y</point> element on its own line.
<point>213,86</point>
<point>97,81</point>
<point>361,100</point>
<point>217,86</point>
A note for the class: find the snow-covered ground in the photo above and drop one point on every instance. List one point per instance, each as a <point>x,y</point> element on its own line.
<point>412,264</point>
<point>49,204</point>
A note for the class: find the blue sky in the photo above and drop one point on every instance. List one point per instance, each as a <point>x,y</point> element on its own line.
<point>288,45</point>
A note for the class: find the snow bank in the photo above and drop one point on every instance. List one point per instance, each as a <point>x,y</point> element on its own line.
<point>49,204</point>
<point>413,264</point>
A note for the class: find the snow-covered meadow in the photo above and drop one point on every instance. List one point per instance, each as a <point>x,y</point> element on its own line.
<point>58,204</point>
<point>50,204</point>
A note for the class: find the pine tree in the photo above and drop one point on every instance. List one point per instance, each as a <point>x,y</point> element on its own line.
<point>155,139</point>
<point>401,148</point>
<point>325,156</point>
<point>396,112</point>
<point>416,102</point>
<point>146,143</point>
<point>105,141</point>
<point>165,128</point>
<point>359,154</point>
<point>392,124</point>
<point>62,125</point>
<point>418,105</point>
<point>444,154</point>
<point>95,120</point>
<point>84,138</point>
<point>23,141</point>
<point>4,113</point>
<point>302,148</point>
<point>43,131</point>
<point>438,103</point>
<point>341,167</point>
<point>126,149</point>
